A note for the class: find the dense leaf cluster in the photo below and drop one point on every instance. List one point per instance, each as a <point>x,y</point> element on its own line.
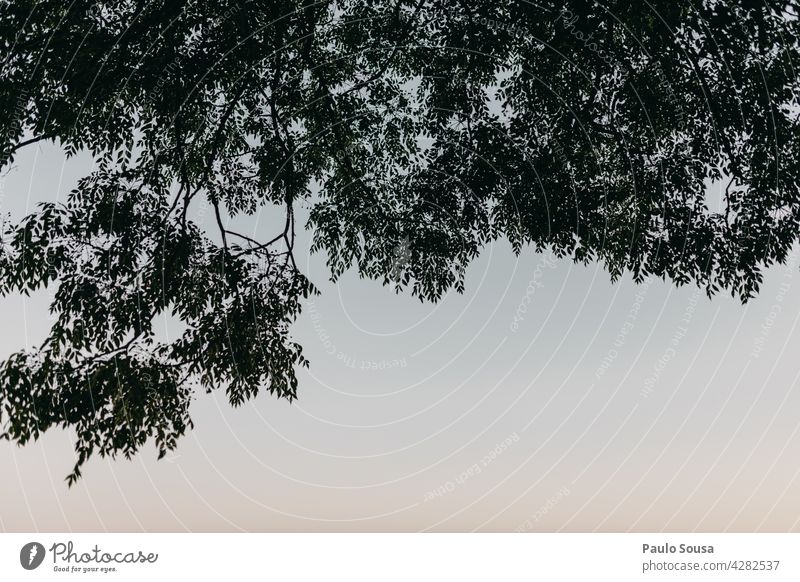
<point>592,130</point>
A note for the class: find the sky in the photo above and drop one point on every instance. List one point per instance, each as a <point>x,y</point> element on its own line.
<point>544,398</point>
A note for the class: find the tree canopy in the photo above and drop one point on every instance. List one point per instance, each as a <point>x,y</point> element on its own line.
<point>592,130</point>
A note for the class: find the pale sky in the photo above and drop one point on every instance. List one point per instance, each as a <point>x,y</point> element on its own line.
<point>609,407</point>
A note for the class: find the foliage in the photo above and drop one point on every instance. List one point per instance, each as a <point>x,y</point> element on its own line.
<point>439,126</point>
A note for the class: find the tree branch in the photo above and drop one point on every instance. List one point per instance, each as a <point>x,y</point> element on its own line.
<point>7,155</point>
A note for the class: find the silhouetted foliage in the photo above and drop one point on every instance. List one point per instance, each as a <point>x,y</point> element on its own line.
<point>592,130</point>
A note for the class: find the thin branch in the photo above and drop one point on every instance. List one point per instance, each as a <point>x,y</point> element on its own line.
<point>5,156</point>
<point>260,246</point>
<point>184,171</point>
<point>219,224</point>
<point>247,238</point>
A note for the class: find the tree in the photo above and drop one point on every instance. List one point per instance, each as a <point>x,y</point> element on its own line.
<point>438,126</point>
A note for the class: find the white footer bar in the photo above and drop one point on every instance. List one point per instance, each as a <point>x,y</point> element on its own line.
<point>406,557</point>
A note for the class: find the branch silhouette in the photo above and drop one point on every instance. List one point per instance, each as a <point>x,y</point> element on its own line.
<point>415,132</point>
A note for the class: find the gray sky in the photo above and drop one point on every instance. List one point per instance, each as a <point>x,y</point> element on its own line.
<point>544,398</point>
